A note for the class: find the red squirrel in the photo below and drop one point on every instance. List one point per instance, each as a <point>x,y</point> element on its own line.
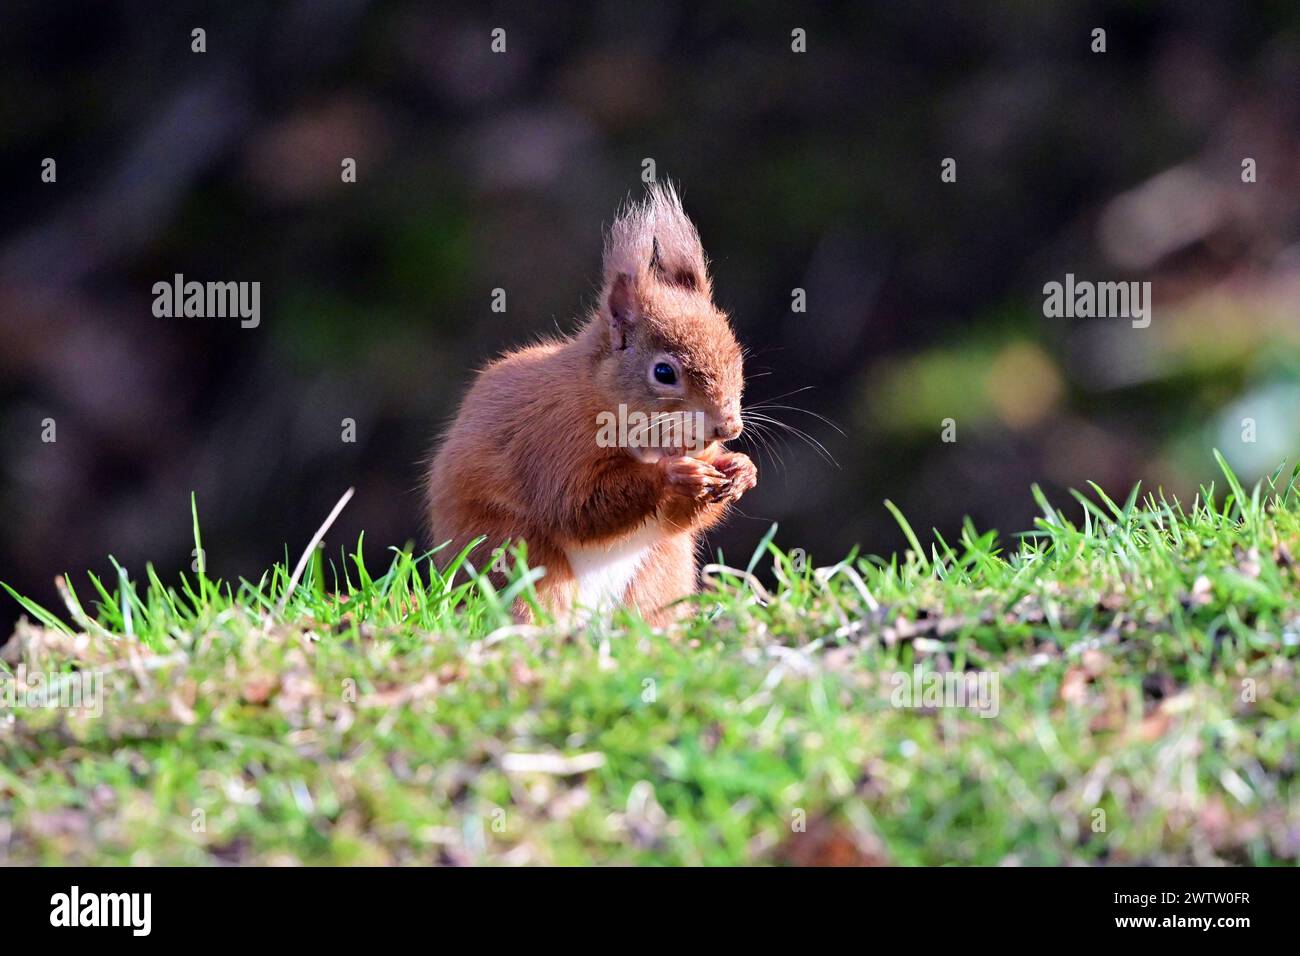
<point>522,461</point>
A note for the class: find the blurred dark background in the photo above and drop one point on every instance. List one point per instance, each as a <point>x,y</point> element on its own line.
<point>478,170</point>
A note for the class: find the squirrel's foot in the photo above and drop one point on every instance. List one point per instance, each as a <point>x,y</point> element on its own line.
<point>739,473</point>
<point>692,478</point>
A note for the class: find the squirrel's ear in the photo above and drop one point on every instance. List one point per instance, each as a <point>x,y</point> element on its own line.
<point>654,240</point>
<point>621,309</point>
<point>685,273</point>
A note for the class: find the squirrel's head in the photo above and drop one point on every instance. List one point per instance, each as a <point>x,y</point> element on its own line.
<point>666,348</point>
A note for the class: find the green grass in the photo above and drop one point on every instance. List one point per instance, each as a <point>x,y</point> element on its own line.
<point>1146,710</point>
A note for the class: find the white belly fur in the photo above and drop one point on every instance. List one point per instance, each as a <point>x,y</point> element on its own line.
<point>604,571</point>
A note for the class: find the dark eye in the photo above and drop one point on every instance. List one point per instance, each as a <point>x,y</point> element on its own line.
<point>664,374</point>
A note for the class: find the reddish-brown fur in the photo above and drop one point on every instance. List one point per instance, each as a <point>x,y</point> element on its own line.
<point>521,460</point>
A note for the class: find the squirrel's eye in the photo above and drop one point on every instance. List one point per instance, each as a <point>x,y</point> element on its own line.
<point>664,374</point>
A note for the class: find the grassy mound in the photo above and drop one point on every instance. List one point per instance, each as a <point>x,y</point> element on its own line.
<point>1118,690</point>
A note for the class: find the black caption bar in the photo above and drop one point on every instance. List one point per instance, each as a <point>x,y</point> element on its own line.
<point>335,906</point>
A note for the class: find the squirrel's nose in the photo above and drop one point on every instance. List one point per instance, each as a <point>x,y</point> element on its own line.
<point>727,427</point>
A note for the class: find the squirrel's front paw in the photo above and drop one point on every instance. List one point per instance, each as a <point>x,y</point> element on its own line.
<point>692,478</point>
<point>740,475</point>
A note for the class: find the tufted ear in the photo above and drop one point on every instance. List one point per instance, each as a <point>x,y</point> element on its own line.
<point>654,240</point>
<point>683,273</point>
<point>621,309</point>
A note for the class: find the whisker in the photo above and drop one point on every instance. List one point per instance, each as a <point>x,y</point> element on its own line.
<point>651,422</point>
<point>752,435</point>
<point>798,432</point>
<point>796,408</point>
<point>769,437</point>
<point>765,440</point>
<point>777,398</point>
<point>774,461</point>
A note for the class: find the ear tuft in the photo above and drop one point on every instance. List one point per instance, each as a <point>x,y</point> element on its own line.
<point>655,240</point>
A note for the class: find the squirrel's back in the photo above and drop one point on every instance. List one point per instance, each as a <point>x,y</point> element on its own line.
<point>520,411</point>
